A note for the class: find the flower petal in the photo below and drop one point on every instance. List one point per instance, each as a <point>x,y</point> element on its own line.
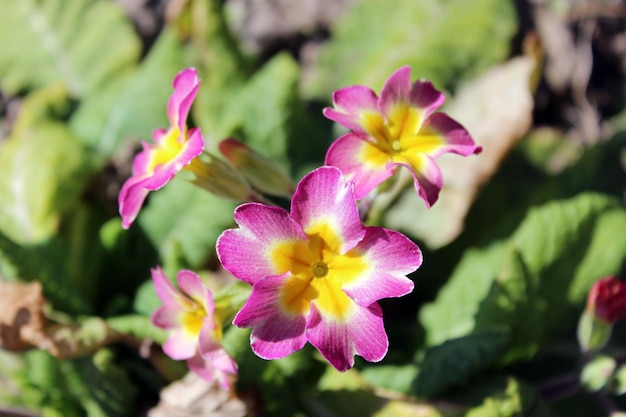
<point>167,293</point>
<point>361,162</point>
<point>131,198</point>
<point>395,90</point>
<point>274,334</point>
<point>427,178</point>
<point>391,256</point>
<point>163,173</point>
<point>363,334</point>
<point>457,139</point>
<point>246,252</point>
<point>167,317</point>
<point>192,285</point>
<point>426,97</point>
<point>323,196</point>
<point>186,84</point>
<point>181,344</point>
<point>203,368</point>
<point>349,103</point>
<point>212,350</point>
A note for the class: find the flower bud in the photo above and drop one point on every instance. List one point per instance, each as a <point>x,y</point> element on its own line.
<point>606,305</point>
<point>263,173</point>
<point>220,178</point>
<point>607,299</point>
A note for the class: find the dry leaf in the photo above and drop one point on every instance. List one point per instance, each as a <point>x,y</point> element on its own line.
<point>497,110</point>
<point>194,397</point>
<point>21,316</point>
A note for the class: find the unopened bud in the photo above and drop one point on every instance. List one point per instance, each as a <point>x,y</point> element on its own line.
<point>263,173</point>
<point>219,178</point>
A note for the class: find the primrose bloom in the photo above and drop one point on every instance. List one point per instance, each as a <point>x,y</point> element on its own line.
<point>398,128</point>
<point>195,328</point>
<point>173,149</point>
<point>607,299</point>
<point>317,272</point>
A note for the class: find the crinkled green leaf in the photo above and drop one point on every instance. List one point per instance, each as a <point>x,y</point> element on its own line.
<point>132,107</point>
<point>275,121</point>
<point>524,283</point>
<point>221,66</point>
<point>183,222</point>
<point>44,170</point>
<point>517,400</point>
<point>393,377</point>
<point>81,43</point>
<point>443,41</point>
<point>103,388</point>
<point>454,361</point>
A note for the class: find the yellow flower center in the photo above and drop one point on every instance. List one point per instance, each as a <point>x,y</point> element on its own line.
<point>400,136</point>
<point>318,272</point>
<point>167,151</point>
<point>193,317</point>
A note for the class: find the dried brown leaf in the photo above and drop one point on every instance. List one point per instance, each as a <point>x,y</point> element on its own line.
<point>194,397</point>
<point>21,316</point>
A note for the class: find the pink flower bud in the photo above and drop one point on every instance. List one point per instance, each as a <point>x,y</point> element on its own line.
<point>607,299</point>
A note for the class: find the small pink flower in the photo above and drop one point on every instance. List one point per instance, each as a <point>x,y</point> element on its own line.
<point>398,128</point>
<point>317,272</point>
<point>173,149</point>
<point>607,299</point>
<point>195,330</point>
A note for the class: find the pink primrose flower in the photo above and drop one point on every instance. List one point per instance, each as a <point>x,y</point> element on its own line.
<point>317,272</point>
<point>398,128</point>
<point>195,329</point>
<point>607,299</point>
<point>173,149</point>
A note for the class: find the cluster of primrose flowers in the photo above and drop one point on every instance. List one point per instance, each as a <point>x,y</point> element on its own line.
<point>316,271</point>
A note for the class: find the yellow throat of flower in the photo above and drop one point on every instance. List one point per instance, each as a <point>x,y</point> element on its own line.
<point>167,150</point>
<point>401,134</point>
<point>318,272</point>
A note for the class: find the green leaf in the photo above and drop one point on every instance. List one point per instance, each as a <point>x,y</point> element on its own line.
<point>443,41</point>
<point>44,170</point>
<point>517,400</point>
<point>104,388</point>
<point>454,361</point>
<point>134,106</point>
<point>524,284</point>
<point>183,222</point>
<point>81,43</point>
<point>393,377</point>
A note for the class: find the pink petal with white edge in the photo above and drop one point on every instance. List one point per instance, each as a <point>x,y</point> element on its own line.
<point>349,103</point>
<point>164,173</point>
<point>130,199</point>
<point>167,317</point>
<point>457,139</point>
<point>213,351</point>
<point>427,178</point>
<point>395,90</point>
<point>181,345</point>
<point>141,163</point>
<point>324,195</point>
<point>274,334</point>
<point>391,256</point>
<point>205,370</point>
<point>186,84</point>
<point>347,152</point>
<point>426,97</point>
<point>244,252</point>
<point>362,334</point>
<point>192,285</point>
<point>167,293</point>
